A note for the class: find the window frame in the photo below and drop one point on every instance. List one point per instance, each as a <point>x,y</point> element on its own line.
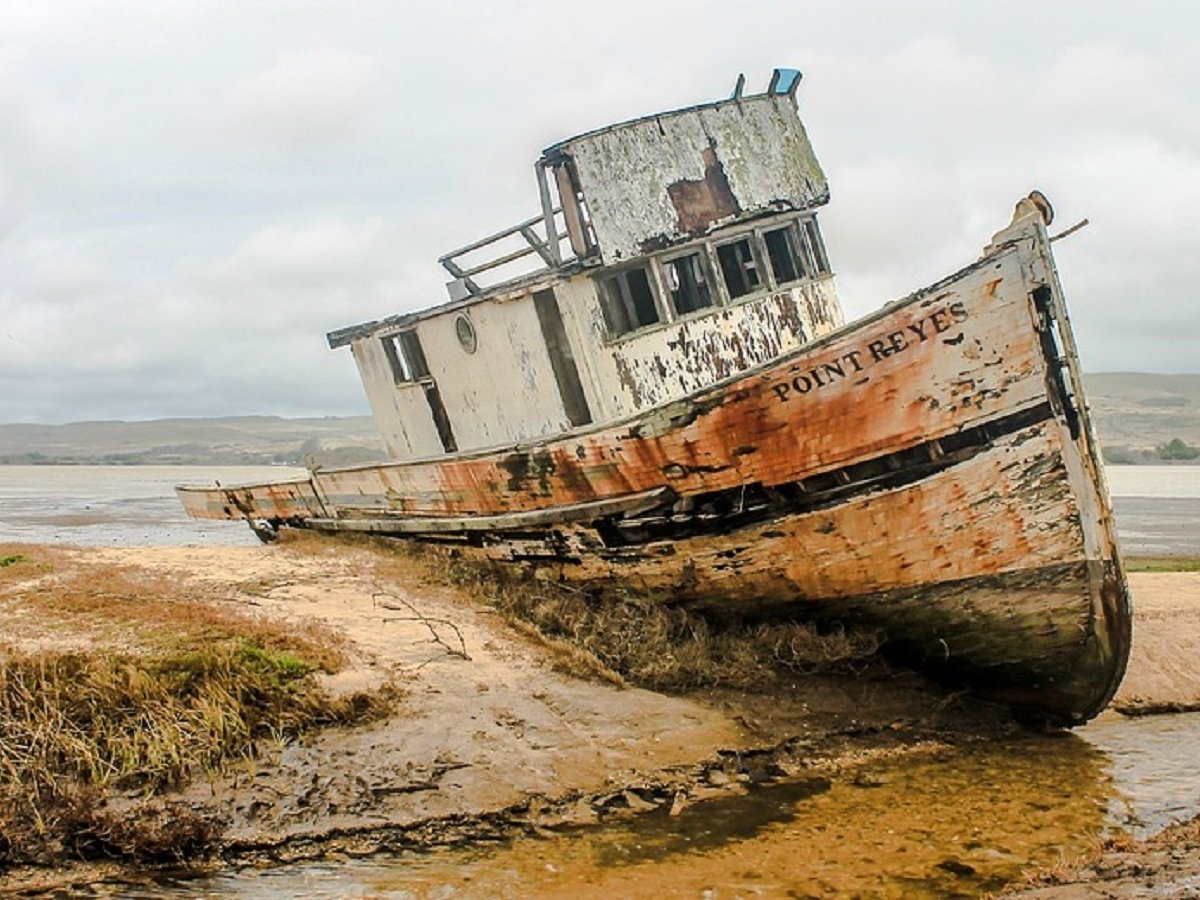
<point>626,301</point>
<point>802,231</point>
<point>406,357</point>
<point>752,240</point>
<point>703,252</point>
<point>797,249</point>
<point>815,242</point>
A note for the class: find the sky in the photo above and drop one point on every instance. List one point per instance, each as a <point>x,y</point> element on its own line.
<point>193,192</point>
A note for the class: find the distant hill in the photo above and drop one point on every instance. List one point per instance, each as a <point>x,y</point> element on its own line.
<point>1134,413</point>
<point>239,440</point>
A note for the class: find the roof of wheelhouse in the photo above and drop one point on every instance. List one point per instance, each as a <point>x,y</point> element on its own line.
<point>651,183</point>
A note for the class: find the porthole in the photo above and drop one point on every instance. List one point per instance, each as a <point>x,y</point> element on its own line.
<point>465,329</point>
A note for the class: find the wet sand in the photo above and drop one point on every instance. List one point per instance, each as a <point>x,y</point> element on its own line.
<point>487,725</point>
<point>490,739</point>
<point>1164,665</point>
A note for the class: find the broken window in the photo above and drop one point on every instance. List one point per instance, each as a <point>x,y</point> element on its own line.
<point>785,252</point>
<point>816,245</point>
<point>405,356</point>
<point>739,268</point>
<point>688,282</point>
<point>628,301</point>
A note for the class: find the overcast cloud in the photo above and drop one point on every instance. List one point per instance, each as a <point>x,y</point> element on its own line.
<point>192,193</point>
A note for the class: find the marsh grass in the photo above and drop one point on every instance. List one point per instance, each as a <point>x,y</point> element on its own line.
<point>174,687</point>
<point>656,645</point>
<point>620,635</point>
<point>1162,564</point>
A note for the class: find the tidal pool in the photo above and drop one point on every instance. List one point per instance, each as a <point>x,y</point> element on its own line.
<point>943,822</point>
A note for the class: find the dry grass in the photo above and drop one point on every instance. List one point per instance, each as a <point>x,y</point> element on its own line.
<point>663,647</point>
<point>165,686</point>
<point>619,635</point>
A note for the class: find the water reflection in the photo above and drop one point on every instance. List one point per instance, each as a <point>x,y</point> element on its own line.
<point>1155,765</point>
<point>941,823</point>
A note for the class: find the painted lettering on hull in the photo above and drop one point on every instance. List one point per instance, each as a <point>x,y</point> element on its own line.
<point>852,362</point>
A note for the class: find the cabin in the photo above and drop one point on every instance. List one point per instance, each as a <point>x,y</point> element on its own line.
<point>671,252</point>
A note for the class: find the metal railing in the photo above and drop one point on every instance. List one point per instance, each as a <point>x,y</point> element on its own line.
<point>547,247</point>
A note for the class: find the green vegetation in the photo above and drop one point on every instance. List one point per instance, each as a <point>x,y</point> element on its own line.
<point>1176,449</point>
<point>10,560</point>
<point>140,687</point>
<point>1162,564</point>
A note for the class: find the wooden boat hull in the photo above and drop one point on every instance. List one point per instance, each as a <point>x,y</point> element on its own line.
<point>928,471</point>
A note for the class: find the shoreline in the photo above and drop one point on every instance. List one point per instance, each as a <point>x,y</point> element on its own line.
<point>491,739</point>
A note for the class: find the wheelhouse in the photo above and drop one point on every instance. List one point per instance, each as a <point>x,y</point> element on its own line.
<point>671,252</point>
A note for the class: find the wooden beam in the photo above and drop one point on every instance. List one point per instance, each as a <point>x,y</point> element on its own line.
<point>633,504</point>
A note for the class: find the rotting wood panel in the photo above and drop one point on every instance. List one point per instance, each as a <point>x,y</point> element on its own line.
<point>693,354</point>
<point>1008,507</point>
<point>281,500</point>
<point>670,361</point>
<point>981,567</point>
<point>401,411</point>
<point>666,179</point>
<point>956,506</point>
<point>947,358</point>
<point>510,359</point>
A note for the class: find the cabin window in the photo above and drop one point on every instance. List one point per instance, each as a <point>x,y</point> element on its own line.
<point>785,252</point>
<point>739,268</point>
<point>464,330</point>
<point>628,301</point>
<point>816,245</point>
<point>688,282</point>
<point>405,356</point>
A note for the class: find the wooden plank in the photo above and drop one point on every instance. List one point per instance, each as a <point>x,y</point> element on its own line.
<point>577,512</point>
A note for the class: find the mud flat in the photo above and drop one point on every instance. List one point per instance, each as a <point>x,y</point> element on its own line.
<point>1164,865</point>
<point>492,738</point>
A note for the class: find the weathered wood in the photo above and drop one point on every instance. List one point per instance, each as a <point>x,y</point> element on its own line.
<point>943,360</point>
<point>289,501</point>
<point>576,512</point>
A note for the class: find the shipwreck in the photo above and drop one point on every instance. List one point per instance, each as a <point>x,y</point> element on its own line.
<point>650,382</point>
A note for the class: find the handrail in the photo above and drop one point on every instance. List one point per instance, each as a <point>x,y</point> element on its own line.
<point>483,242</point>
<point>546,248</point>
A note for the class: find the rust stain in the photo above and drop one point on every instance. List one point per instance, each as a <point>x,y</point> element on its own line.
<point>884,387</point>
<point>700,202</point>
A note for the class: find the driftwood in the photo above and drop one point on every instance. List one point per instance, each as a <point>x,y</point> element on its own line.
<point>429,622</point>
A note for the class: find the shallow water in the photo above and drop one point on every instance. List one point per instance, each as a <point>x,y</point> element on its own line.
<point>941,823</point>
<point>1157,509</point>
<point>117,505</point>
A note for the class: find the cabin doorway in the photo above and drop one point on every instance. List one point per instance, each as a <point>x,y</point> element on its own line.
<point>562,360</point>
<point>407,359</point>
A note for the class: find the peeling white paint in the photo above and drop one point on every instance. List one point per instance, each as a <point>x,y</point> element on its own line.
<point>625,171</point>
